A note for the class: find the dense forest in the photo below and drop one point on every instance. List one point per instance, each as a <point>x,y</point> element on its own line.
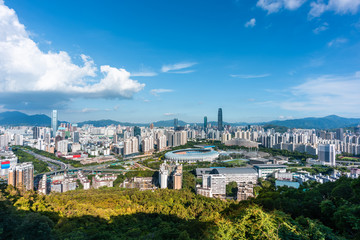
<point>327,211</point>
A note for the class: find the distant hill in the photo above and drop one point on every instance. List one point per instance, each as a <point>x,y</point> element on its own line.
<point>107,122</point>
<point>328,122</point>
<point>15,118</point>
<point>280,129</point>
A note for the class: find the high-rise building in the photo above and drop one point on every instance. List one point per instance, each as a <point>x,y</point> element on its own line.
<point>170,176</point>
<point>161,143</point>
<point>63,146</point>
<point>340,134</point>
<point>205,123</point>
<point>36,132</point>
<point>19,139</point>
<point>76,137</point>
<point>327,154</point>
<point>177,177</point>
<point>176,123</point>
<point>54,122</point>
<point>220,120</point>
<point>22,176</point>
<point>137,131</point>
<point>131,146</point>
<point>164,173</point>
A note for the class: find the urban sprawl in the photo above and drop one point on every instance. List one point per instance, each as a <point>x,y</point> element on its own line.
<point>92,157</point>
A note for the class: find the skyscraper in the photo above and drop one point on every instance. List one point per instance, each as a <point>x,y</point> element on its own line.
<point>76,137</point>
<point>54,121</point>
<point>220,120</point>
<point>176,122</point>
<point>205,123</point>
<point>36,132</point>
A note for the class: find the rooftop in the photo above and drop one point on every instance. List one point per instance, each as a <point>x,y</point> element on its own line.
<point>269,166</point>
<point>234,171</point>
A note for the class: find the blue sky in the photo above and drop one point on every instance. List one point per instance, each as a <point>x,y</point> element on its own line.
<point>144,61</point>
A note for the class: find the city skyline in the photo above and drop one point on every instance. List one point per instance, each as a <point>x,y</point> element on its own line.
<point>247,59</point>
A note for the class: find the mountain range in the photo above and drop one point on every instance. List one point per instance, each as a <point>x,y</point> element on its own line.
<point>15,118</point>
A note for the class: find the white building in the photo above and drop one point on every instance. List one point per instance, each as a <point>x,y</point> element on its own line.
<point>62,146</point>
<point>327,154</point>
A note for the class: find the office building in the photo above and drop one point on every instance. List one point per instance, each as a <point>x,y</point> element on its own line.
<point>7,160</point>
<point>220,120</point>
<point>22,176</point>
<point>205,123</point>
<point>36,132</point>
<point>176,123</point>
<point>327,154</point>
<point>76,137</point>
<point>137,131</point>
<point>340,134</point>
<point>212,184</point>
<point>266,170</point>
<point>54,122</point>
<point>238,175</point>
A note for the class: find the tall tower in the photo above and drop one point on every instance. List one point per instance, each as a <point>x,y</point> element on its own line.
<point>54,121</point>
<point>220,120</point>
<point>205,123</point>
<point>176,123</point>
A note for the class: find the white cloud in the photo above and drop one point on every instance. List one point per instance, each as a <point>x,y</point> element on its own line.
<point>337,41</point>
<point>321,28</point>
<point>251,23</point>
<point>285,117</point>
<point>272,6</point>
<point>169,114</point>
<point>337,6</point>
<point>326,94</point>
<point>156,92</point>
<point>27,74</point>
<point>250,76</point>
<point>178,66</point>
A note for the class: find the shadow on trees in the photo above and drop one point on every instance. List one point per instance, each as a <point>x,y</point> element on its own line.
<point>28,225</point>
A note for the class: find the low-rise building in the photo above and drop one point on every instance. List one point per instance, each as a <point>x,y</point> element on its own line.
<point>266,170</point>
<point>106,180</point>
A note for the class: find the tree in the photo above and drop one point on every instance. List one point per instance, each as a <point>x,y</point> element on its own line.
<point>231,189</point>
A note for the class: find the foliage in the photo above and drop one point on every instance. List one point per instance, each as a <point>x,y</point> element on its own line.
<point>189,181</point>
<point>334,204</point>
<point>231,189</point>
<point>115,167</point>
<point>39,166</point>
<point>113,213</point>
<point>316,169</point>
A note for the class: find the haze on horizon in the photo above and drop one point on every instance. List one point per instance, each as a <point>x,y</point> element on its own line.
<point>257,60</point>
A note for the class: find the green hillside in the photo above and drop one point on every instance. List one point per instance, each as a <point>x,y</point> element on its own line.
<point>113,213</point>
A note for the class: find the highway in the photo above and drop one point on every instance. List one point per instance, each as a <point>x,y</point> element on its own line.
<point>53,164</point>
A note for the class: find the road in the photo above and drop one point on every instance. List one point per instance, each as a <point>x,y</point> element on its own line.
<point>53,164</point>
